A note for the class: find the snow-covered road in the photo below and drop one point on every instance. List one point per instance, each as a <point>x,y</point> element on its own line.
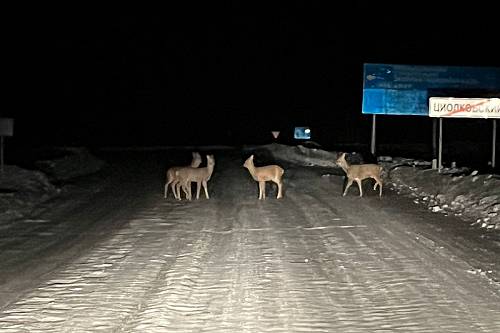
<point>312,262</point>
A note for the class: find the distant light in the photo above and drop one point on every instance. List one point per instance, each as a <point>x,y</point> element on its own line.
<point>307,130</point>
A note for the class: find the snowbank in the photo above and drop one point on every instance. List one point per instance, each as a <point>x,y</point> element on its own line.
<point>475,197</point>
<point>22,190</point>
<point>76,162</point>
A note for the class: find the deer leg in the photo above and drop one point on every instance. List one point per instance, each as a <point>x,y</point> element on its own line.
<point>379,182</point>
<point>166,190</point>
<point>280,194</point>
<point>177,191</point>
<point>173,186</point>
<point>360,187</point>
<point>349,183</point>
<point>205,186</point>
<point>198,188</point>
<point>179,187</point>
<point>262,190</point>
<point>190,190</point>
<point>186,188</point>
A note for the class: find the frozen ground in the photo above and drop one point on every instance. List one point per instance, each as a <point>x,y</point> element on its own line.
<point>458,191</point>
<point>118,257</point>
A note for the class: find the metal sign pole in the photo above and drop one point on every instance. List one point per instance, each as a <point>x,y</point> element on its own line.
<point>494,143</point>
<point>372,148</point>
<point>434,135</point>
<point>440,144</point>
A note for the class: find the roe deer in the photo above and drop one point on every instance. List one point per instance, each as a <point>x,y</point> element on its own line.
<point>199,175</point>
<point>263,174</point>
<point>359,172</point>
<point>172,179</point>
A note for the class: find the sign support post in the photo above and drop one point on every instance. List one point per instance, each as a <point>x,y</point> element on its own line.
<point>374,129</point>
<point>440,165</point>
<point>434,137</point>
<point>494,143</point>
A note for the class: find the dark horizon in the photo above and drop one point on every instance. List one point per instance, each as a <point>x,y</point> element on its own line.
<point>227,75</point>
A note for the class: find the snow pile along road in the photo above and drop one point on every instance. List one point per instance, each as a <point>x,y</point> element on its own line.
<point>470,195</point>
<point>76,162</point>
<point>22,190</point>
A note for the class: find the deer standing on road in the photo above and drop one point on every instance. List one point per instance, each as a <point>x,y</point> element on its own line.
<point>263,174</point>
<point>199,175</point>
<point>359,172</point>
<point>172,180</point>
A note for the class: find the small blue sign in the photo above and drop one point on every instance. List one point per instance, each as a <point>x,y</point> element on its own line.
<point>302,133</point>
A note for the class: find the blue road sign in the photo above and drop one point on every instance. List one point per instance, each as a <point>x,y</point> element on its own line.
<point>405,89</point>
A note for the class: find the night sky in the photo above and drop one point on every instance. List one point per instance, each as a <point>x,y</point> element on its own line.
<point>224,74</point>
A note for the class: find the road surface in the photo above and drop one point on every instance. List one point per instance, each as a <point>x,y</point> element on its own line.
<point>125,259</point>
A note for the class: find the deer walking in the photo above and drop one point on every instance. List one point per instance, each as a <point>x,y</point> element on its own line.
<point>360,172</point>
<point>172,180</point>
<point>263,174</point>
<point>199,175</point>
